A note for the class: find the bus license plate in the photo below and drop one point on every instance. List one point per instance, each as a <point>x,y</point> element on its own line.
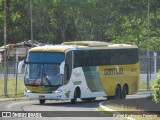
<point>41,96</point>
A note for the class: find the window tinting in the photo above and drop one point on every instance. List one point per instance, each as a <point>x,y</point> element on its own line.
<point>105,57</point>
<point>45,57</point>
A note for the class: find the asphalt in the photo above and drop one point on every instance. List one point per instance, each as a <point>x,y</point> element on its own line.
<point>101,104</point>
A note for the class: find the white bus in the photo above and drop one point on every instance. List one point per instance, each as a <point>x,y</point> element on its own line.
<point>84,69</point>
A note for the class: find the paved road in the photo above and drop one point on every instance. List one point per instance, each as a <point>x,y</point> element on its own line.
<point>60,109</point>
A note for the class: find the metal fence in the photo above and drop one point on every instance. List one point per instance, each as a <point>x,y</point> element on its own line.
<point>153,62</point>
<point>14,80</point>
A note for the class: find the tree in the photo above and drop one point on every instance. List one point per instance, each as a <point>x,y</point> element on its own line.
<point>156,89</point>
<point>56,21</point>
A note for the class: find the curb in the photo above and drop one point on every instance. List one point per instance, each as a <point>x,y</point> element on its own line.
<point>144,92</point>
<point>101,105</point>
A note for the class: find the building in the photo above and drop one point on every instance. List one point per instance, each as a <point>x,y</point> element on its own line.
<point>17,51</point>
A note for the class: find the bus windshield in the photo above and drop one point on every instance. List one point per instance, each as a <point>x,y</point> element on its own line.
<point>43,74</point>
<point>43,68</point>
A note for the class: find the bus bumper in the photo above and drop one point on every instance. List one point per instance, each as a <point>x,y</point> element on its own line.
<point>46,96</point>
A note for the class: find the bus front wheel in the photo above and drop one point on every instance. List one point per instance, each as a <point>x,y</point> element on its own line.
<point>89,99</point>
<point>74,100</point>
<point>42,101</point>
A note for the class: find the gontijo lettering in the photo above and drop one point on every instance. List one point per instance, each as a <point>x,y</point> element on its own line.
<point>113,71</point>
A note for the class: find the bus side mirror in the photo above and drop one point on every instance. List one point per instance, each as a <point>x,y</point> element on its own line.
<point>20,66</point>
<point>25,60</point>
<point>62,67</point>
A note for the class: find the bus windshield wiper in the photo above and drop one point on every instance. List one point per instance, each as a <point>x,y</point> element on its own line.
<point>44,76</point>
<point>36,78</point>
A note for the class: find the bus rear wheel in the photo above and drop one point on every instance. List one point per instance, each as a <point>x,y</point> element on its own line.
<point>110,97</point>
<point>42,101</point>
<point>124,92</point>
<point>118,92</point>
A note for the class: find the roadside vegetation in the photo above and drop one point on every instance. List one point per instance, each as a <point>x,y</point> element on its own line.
<point>143,85</point>
<point>12,90</point>
<point>57,21</point>
<point>156,89</point>
<point>141,106</point>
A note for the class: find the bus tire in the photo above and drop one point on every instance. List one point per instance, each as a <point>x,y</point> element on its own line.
<point>89,99</point>
<point>110,97</point>
<point>92,99</point>
<point>118,92</point>
<point>74,100</point>
<point>124,91</point>
<point>42,101</point>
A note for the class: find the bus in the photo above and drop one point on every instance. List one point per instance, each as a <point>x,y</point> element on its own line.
<point>81,69</point>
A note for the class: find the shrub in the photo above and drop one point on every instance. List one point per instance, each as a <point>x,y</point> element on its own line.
<point>156,89</point>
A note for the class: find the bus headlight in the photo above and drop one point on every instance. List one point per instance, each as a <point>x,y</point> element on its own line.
<point>57,91</point>
<point>26,90</point>
<point>29,91</point>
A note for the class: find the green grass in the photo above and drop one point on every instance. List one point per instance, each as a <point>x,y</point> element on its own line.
<point>122,108</point>
<point>138,106</point>
<point>143,85</point>
<point>12,91</point>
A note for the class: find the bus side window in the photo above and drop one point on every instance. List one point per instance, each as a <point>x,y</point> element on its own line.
<point>133,56</point>
<point>114,57</point>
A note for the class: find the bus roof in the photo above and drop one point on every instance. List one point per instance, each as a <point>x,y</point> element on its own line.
<point>54,48</point>
<point>86,43</point>
<point>80,45</point>
<point>99,45</point>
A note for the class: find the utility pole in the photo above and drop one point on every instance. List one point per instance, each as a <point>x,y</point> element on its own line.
<point>5,50</point>
<point>31,15</point>
<point>148,45</point>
